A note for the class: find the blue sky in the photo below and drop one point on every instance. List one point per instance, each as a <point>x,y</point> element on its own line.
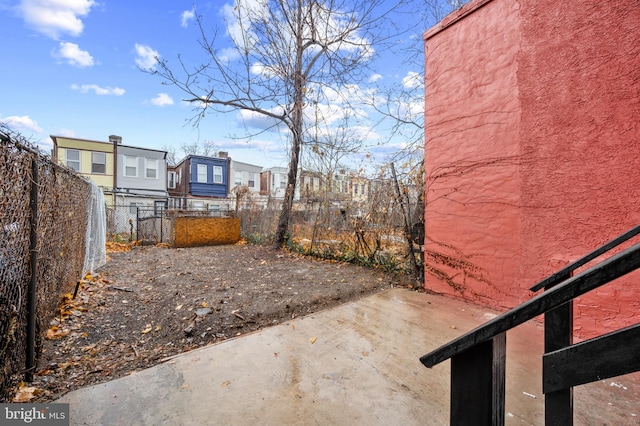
<point>70,68</point>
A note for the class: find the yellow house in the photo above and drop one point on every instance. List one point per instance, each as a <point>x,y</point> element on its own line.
<point>91,159</point>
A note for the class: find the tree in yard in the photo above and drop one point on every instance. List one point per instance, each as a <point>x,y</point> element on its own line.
<point>285,56</point>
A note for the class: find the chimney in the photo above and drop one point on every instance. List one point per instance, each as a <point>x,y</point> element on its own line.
<point>223,154</point>
<point>116,140</point>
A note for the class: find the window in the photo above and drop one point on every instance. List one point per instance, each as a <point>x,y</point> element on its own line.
<point>159,206</point>
<point>251,183</point>
<point>151,171</point>
<point>316,183</point>
<point>355,189</point>
<point>214,207</point>
<point>283,184</point>
<point>202,173</point>
<point>73,159</point>
<point>171,180</point>
<point>99,163</point>
<point>237,181</point>
<point>130,166</point>
<point>217,174</point>
<point>197,205</point>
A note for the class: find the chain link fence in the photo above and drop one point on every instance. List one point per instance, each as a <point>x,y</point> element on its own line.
<point>150,224</point>
<point>43,223</point>
<point>385,231</point>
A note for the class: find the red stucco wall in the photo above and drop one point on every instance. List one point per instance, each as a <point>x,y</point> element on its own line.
<point>532,148</point>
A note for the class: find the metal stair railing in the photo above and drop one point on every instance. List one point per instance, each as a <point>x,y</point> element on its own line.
<point>478,357</point>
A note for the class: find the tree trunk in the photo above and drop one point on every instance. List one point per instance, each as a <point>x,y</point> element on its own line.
<point>296,128</point>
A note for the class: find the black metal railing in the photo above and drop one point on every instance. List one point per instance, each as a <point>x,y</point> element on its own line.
<point>478,357</point>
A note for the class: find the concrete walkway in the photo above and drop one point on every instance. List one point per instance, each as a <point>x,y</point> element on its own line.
<point>356,364</point>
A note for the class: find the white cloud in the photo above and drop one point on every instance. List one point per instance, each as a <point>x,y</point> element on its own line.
<point>257,120</point>
<point>86,88</point>
<point>147,57</point>
<point>187,16</point>
<point>55,17</point>
<point>22,122</point>
<point>74,55</point>
<point>375,78</point>
<point>413,80</point>
<point>162,99</point>
<point>228,54</point>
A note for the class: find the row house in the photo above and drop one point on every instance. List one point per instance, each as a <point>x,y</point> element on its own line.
<point>91,159</point>
<point>199,182</point>
<point>244,174</point>
<point>130,177</point>
<point>342,187</point>
<point>141,179</point>
<point>273,183</point>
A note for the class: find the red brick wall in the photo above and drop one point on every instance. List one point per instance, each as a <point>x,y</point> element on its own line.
<point>532,148</point>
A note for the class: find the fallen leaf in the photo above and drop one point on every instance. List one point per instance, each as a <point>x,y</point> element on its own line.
<point>225,384</point>
<point>158,327</point>
<point>88,348</point>
<point>204,304</point>
<point>364,353</point>
<point>313,340</point>
<point>55,333</point>
<point>185,386</point>
<point>178,307</point>
<point>25,394</point>
<point>147,329</point>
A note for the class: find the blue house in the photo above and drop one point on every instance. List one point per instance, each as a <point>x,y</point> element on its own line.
<point>197,178</point>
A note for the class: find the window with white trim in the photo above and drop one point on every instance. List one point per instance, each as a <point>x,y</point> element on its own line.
<point>171,180</point>
<point>130,166</point>
<point>217,174</point>
<point>99,163</point>
<point>151,169</point>
<point>73,159</point>
<point>237,181</point>
<point>202,173</point>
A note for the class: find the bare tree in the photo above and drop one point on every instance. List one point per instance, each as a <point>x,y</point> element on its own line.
<point>286,55</point>
<point>204,148</point>
<point>329,149</point>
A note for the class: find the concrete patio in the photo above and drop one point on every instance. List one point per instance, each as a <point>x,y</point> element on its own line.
<point>356,364</point>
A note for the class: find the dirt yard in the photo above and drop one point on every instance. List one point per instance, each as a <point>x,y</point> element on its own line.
<point>151,303</point>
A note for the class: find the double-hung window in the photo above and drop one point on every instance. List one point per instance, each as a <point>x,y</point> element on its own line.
<point>73,159</point>
<point>217,174</point>
<point>151,169</point>
<point>202,173</point>
<point>130,166</point>
<point>171,180</point>
<point>99,163</point>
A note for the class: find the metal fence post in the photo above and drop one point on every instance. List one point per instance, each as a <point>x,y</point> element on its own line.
<point>31,293</point>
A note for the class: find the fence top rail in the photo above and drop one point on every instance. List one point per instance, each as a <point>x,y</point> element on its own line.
<point>561,275</point>
<point>602,273</point>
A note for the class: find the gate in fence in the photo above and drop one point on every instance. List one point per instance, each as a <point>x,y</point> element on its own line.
<point>153,225</point>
